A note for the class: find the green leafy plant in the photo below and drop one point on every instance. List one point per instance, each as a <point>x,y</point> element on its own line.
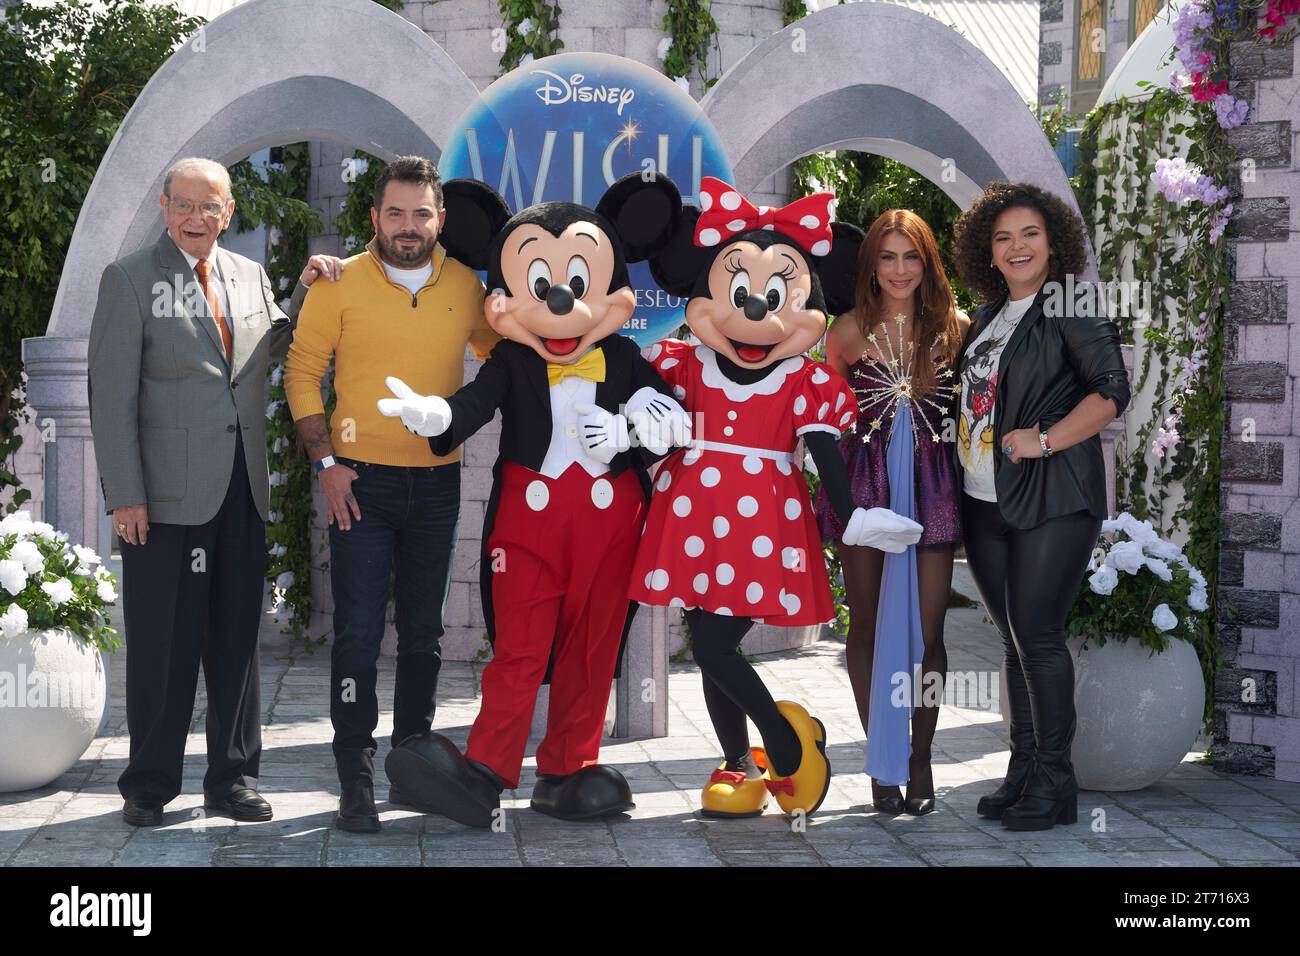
<point>692,34</point>
<point>531,31</point>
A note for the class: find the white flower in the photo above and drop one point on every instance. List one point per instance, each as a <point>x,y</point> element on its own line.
<point>20,522</point>
<point>277,375</point>
<point>1160,569</point>
<point>684,83</point>
<point>811,5</point>
<point>1126,556</point>
<point>665,45</point>
<point>13,621</point>
<point>1197,577</point>
<point>284,580</point>
<point>526,58</point>
<point>1165,550</point>
<point>13,577</point>
<point>277,551</point>
<point>104,588</point>
<point>29,555</point>
<point>43,530</point>
<point>525,26</point>
<point>277,446</point>
<point>273,516</point>
<point>60,591</point>
<point>1163,618</point>
<point>1104,580</point>
<point>272,408</point>
<point>86,559</point>
<point>1142,532</point>
<point>278,478</point>
<point>1198,600</point>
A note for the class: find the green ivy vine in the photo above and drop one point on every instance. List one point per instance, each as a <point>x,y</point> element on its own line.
<point>531,30</point>
<point>692,33</point>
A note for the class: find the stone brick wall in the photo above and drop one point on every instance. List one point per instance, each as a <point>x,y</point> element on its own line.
<point>1055,47</point>
<point>1257,711</point>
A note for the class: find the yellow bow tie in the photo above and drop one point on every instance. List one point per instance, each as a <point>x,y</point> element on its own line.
<point>591,366</point>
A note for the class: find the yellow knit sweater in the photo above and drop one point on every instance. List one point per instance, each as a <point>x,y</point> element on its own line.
<point>373,327</point>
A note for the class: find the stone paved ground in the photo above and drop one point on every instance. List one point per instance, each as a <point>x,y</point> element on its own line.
<point>1196,816</point>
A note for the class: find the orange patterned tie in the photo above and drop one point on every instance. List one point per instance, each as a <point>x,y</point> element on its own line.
<point>203,268</point>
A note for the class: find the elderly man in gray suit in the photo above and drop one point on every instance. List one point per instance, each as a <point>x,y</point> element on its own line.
<point>179,347</point>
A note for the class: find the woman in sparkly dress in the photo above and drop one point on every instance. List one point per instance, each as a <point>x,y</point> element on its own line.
<point>896,349</point>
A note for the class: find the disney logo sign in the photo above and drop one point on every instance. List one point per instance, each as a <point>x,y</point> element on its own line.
<point>555,90</point>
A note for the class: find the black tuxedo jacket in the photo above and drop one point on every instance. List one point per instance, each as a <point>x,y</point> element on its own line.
<point>513,380</point>
<point>1049,365</point>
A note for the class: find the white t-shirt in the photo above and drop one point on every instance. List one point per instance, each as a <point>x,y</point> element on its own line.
<point>413,279</point>
<point>979,389</point>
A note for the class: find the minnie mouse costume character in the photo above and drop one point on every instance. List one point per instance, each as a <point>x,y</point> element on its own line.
<point>731,534</point>
<point>569,489</point>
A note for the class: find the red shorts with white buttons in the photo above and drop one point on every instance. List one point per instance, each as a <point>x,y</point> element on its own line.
<point>561,552</point>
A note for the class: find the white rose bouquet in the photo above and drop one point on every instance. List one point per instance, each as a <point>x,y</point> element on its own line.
<point>1139,586</point>
<point>47,583</point>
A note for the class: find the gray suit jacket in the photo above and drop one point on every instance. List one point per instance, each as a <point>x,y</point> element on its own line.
<point>165,405</point>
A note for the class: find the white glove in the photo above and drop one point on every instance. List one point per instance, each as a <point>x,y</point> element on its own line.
<point>881,528</point>
<point>426,415</point>
<point>602,434</point>
<point>659,421</point>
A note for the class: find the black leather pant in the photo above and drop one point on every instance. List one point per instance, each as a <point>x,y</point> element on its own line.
<point>1028,580</point>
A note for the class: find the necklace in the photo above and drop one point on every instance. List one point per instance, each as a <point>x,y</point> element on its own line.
<point>896,384</point>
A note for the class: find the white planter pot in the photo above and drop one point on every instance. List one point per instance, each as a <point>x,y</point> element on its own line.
<point>52,695</point>
<point>1138,714</point>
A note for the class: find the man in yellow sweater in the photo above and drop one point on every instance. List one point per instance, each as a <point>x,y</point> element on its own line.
<point>400,308</point>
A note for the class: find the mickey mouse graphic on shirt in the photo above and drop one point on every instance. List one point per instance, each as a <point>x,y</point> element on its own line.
<point>582,415</point>
<point>731,535</point>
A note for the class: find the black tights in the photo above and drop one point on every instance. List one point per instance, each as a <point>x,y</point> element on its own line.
<point>863,568</point>
<point>1028,580</point>
<point>733,691</point>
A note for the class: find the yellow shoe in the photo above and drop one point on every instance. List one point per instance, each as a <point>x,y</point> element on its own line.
<point>806,788</point>
<point>729,794</point>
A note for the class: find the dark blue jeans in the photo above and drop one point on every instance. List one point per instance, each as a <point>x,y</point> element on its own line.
<point>408,526</point>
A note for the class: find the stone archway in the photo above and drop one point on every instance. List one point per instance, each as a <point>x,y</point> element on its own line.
<point>262,74</point>
<point>883,79</point>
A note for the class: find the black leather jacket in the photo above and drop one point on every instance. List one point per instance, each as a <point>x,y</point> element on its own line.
<point>1051,363</point>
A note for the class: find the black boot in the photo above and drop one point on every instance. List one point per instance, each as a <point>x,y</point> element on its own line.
<point>992,806</point>
<point>1023,744</point>
<point>1051,795</point>
<point>357,809</point>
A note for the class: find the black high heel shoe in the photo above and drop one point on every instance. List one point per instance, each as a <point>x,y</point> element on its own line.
<point>891,804</point>
<point>920,806</point>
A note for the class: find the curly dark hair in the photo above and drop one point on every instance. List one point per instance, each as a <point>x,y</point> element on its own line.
<point>973,236</point>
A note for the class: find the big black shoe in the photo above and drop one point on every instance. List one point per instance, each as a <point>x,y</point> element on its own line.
<point>594,791</point>
<point>1051,795</point>
<point>993,805</point>
<point>142,811</point>
<point>357,812</point>
<point>431,774</point>
<point>243,803</point>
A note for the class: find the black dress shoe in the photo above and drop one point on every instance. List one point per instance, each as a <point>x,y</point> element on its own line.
<point>245,804</point>
<point>891,805</point>
<point>594,791</point>
<point>919,806</point>
<point>993,805</point>
<point>142,811</point>
<point>432,775</point>
<point>357,809</point>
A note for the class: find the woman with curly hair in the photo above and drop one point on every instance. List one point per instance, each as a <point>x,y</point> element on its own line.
<point>1039,379</point>
<point>897,349</point>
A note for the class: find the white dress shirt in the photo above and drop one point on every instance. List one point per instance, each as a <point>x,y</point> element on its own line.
<point>565,447</point>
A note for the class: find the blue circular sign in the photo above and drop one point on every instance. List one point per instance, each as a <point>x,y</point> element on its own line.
<point>567,126</point>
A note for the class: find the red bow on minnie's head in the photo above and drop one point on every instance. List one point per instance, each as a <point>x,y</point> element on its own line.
<point>725,213</point>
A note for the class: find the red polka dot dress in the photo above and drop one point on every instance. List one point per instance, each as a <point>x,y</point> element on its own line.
<point>731,527</point>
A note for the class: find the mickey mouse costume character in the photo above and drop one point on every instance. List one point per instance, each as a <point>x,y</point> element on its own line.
<point>569,489</point>
<point>731,534</point>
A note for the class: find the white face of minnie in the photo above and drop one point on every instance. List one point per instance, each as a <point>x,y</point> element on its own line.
<point>756,312</point>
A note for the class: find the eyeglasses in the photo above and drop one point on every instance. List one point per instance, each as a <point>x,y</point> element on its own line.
<point>183,207</point>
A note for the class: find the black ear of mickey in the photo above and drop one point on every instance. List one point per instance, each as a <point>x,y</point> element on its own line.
<point>643,212</point>
<point>475,214</point>
<point>838,269</point>
<point>678,265</point>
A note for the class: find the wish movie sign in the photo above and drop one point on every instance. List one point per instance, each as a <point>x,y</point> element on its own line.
<point>567,126</point>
